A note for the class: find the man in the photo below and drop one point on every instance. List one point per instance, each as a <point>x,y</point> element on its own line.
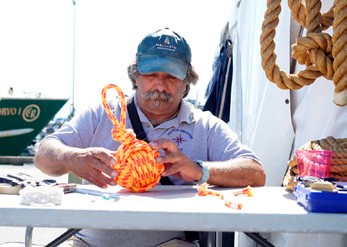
<point>195,146</point>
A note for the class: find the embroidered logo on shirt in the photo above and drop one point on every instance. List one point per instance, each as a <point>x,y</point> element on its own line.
<point>179,140</point>
<point>179,136</point>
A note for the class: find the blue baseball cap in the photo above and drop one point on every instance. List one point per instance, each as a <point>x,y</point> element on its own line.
<point>164,51</point>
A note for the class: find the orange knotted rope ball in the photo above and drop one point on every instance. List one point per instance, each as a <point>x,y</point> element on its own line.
<point>136,166</point>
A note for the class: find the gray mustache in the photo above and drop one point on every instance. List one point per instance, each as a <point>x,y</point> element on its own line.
<point>156,95</point>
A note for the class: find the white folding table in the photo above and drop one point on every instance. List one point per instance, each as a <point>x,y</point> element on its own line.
<point>271,209</point>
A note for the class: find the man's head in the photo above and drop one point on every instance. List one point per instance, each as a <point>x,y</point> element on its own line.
<point>164,51</point>
<point>167,52</point>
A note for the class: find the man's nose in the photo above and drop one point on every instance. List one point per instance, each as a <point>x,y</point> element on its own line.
<point>160,82</point>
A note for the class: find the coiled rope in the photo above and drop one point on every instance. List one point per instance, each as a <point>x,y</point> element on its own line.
<point>338,166</point>
<point>137,168</point>
<point>322,54</point>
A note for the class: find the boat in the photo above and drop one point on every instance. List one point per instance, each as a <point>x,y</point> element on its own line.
<point>22,119</point>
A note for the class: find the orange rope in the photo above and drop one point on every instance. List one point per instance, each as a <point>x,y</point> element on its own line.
<point>229,200</point>
<point>136,166</point>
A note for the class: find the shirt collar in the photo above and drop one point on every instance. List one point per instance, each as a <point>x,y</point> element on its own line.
<point>186,114</point>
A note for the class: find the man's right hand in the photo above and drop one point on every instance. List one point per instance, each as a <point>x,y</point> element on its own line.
<point>92,164</point>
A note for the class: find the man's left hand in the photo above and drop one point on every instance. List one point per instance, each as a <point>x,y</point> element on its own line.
<point>176,162</point>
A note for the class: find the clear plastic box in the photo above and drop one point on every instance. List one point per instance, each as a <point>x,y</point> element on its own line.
<point>315,163</point>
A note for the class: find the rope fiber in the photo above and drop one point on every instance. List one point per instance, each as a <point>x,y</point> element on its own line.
<point>338,166</point>
<point>136,166</point>
<point>322,54</point>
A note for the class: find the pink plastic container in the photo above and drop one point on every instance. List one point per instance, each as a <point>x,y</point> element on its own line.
<point>314,163</point>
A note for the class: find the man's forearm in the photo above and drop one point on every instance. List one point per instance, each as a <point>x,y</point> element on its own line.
<point>51,158</point>
<point>236,173</point>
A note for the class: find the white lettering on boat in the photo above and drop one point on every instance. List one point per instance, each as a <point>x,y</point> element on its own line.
<point>29,114</point>
<point>8,111</point>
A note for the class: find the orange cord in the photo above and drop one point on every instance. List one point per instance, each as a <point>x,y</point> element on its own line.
<point>136,166</point>
<point>229,201</point>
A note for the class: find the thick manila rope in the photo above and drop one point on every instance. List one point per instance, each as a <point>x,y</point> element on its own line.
<point>338,167</point>
<point>136,166</point>
<point>322,54</point>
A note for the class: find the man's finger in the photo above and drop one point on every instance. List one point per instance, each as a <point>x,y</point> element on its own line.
<point>163,144</point>
<point>107,158</point>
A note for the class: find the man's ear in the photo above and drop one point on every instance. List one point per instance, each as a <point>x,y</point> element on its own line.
<point>186,91</point>
<point>133,81</point>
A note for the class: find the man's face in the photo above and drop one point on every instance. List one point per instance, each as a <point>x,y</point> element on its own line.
<point>159,93</point>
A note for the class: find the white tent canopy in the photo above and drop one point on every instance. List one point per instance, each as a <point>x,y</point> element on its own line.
<point>276,122</point>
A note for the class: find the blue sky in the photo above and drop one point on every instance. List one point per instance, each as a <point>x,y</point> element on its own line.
<point>47,46</point>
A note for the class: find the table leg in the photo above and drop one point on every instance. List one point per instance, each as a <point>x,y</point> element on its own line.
<point>28,236</point>
<point>66,235</point>
<point>219,239</point>
<point>259,239</point>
